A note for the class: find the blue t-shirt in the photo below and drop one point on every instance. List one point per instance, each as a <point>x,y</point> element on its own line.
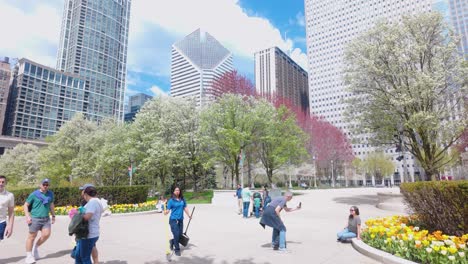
<point>177,208</point>
<point>239,193</point>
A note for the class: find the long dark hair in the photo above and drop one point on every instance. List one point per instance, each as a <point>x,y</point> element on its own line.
<point>356,211</point>
<point>181,195</point>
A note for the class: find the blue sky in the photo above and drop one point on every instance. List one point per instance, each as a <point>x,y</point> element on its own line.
<point>242,26</point>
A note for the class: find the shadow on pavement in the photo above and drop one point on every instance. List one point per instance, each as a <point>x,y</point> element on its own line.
<point>58,254</point>
<point>11,260</point>
<point>358,200</point>
<point>114,262</point>
<point>268,245</point>
<point>203,260</point>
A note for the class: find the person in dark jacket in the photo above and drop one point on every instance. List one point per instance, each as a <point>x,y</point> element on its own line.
<point>177,206</point>
<point>271,218</point>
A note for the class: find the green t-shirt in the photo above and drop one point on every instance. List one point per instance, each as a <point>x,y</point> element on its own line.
<point>257,202</point>
<point>39,209</point>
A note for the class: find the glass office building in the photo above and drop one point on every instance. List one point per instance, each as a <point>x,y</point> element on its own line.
<point>93,44</point>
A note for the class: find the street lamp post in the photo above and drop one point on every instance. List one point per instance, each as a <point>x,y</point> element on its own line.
<point>333,178</point>
<point>315,173</point>
<point>290,184</point>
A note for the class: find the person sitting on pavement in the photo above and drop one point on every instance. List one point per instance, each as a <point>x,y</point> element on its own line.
<point>353,229</point>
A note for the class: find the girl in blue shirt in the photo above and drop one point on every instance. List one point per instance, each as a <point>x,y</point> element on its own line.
<point>177,206</point>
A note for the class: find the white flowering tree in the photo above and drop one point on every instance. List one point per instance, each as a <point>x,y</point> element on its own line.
<point>408,78</point>
<point>20,164</point>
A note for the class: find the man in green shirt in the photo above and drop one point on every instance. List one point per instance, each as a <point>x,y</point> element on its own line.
<point>36,210</point>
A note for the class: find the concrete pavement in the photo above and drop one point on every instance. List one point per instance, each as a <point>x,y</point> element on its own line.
<point>218,234</point>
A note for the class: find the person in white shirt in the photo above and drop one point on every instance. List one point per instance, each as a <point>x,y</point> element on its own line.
<point>93,214</point>
<point>7,206</point>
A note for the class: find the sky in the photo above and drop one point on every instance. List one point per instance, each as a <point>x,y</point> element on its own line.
<point>31,29</point>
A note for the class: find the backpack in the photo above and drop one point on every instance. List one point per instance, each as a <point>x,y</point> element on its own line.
<point>78,226</point>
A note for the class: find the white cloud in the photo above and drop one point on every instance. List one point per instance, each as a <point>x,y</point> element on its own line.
<point>157,91</point>
<point>242,33</point>
<point>32,30</point>
<point>300,19</point>
<point>33,33</point>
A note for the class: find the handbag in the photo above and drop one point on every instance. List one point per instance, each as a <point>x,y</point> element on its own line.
<point>184,239</point>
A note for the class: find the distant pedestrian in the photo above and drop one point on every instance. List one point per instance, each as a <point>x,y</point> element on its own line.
<point>257,204</point>
<point>7,207</point>
<point>37,208</point>
<point>271,218</point>
<point>353,228</point>
<point>266,197</point>
<point>238,195</point>
<point>93,211</point>
<point>177,205</point>
<point>246,198</point>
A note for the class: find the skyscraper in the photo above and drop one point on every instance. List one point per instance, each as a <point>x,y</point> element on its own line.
<point>5,76</point>
<point>459,19</point>
<point>93,44</point>
<point>330,26</point>
<point>196,61</point>
<point>135,103</point>
<point>277,74</point>
<point>42,99</point>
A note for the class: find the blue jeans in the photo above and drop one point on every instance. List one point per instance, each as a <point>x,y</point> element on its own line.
<point>176,228</point>
<point>246,209</point>
<point>345,234</point>
<point>83,250</point>
<point>257,211</point>
<point>279,238</point>
<point>2,229</point>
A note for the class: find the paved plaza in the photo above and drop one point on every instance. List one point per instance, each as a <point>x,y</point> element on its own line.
<point>218,234</point>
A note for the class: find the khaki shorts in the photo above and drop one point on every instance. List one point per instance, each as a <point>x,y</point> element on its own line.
<point>39,223</point>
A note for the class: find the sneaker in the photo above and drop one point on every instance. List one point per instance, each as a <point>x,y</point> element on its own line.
<point>171,245</point>
<point>29,259</point>
<point>283,251</point>
<point>177,253</point>
<point>36,252</point>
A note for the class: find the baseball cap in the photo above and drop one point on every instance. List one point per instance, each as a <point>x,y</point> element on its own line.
<point>86,186</point>
<point>45,181</point>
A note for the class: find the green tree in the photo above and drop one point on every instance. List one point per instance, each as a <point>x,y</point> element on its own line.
<point>56,161</point>
<point>229,124</point>
<point>378,165</point>
<point>280,140</point>
<point>20,164</point>
<point>408,77</point>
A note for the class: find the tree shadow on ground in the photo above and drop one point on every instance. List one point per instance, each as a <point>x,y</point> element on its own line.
<point>268,245</point>
<point>11,260</point>
<point>58,254</point>
<point>358,200</point>
<point>203,260</point>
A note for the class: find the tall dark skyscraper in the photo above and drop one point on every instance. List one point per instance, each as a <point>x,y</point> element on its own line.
<point>93,44</point>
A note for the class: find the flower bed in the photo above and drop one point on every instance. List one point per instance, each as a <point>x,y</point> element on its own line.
<point>116,208</point>
<point>398,235</point>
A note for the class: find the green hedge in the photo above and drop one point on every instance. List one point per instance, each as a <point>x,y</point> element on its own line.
<point>441,205</point>
<point>71,195</point>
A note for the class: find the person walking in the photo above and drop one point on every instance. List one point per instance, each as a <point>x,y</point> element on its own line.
<point>38,208</point>
<point>246,198</point>
<point>353,229</point>
<point>177,205</point>
<point>239,198</point>
<point>93,212</point>
<point>271,218</point>
<point>7,206</point>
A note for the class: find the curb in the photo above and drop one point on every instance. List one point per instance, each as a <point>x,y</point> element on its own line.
<point>112,215</point>
<point>379,255</point>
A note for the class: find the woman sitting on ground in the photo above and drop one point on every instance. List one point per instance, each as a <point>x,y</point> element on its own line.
<point>353,229</point>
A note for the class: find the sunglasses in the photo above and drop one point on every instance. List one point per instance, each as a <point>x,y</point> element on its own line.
<point>45,184</point>
<point>352,210</point>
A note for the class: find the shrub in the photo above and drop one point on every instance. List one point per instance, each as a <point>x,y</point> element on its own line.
<point>440,205</point>
<point>71,195</point>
